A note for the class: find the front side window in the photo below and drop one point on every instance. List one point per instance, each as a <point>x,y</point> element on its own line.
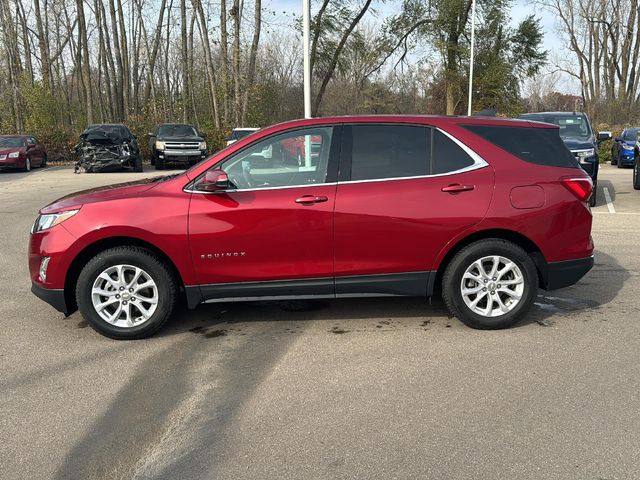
<point>294,158</point>
<point>389,151</point>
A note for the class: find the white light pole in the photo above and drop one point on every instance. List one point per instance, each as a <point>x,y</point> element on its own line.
<point>306,18</point>
<point>473,39</point>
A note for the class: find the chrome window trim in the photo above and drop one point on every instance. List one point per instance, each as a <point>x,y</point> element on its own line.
<point>234,190</point>
<point>478,163</point>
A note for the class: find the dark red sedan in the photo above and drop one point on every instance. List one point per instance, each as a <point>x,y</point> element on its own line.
<point>485,210</point>
<point>22,152</point>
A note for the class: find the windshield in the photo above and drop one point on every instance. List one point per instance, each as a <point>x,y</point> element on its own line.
<point>631,134</point>
<point>571,126</point>
<point>8,142</point>
<point>238,134</point>
<point>177,131</point>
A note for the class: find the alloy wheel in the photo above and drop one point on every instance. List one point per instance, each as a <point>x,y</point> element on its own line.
<point>124,296</point>
<point>492,286</point>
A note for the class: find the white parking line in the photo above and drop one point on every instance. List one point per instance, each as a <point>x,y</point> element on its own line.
<point>607,197</point>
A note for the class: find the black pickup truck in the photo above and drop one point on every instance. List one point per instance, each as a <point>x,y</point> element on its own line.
<point>176,143</point>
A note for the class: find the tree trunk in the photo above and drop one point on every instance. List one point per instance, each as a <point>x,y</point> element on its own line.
<point>43,46</point>
<point>202,24</point>
<point>257,21</point>
<point>185,60</point>
<point>83,46</point>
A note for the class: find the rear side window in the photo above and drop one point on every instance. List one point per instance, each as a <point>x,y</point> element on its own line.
<point>389,151</point>
<point>542,146</point>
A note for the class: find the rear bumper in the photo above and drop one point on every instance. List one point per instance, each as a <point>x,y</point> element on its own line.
<point>565,273</point>
<point>54,297</point>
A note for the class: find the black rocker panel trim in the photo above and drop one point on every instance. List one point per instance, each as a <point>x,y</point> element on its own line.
<point>395,284</point>
<point>412,284</point>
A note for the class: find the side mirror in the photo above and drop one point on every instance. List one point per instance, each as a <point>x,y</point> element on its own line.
<point>203,135</point>
<point>617,139</point>
<point>214,181</point>
<point>603,136</point>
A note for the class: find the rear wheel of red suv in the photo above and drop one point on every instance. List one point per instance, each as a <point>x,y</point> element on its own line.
<point>490,284</point>
<point>126,293</point>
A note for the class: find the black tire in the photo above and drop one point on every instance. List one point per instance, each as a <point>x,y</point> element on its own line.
<point>136,257</point>
<point>618,163</point>
<point>636,174</point>
<point>613,156</point>
<point>44,161</point>
<point>27,165</point>
<point>152,158</point>
<point>159,163</point>
<point>137,164</point>
<point>452,283</point>
<point>594,196</point>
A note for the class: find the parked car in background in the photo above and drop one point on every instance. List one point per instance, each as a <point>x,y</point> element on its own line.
<point>238,133</point>
<point>487,210</point>
<point>21,152</point>
<point>636,167</point>
<point>622,150</point>
<point>578,136</point>
<point>177,143</point>
<point>107,148</point>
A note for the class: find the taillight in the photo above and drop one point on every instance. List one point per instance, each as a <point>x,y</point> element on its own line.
<point>581,187</point>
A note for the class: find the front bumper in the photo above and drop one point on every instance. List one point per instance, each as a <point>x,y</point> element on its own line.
<point>626,159</point>
<point>182,156</point>
<point>565,273</point>
<point>53,296</point>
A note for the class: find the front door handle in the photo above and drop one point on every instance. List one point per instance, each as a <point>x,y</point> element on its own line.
<point>311,199</point>
<point>457,188</point>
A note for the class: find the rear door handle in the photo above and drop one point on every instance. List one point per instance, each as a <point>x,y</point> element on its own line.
<point>457,188</point>
<point>311,199</point>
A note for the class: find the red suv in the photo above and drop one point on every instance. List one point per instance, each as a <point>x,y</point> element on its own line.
<point>487,210</point>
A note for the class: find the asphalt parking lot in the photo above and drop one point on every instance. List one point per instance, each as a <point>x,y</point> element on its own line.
<point>375,388</point>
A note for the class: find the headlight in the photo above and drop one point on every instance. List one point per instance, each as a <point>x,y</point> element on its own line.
<point>14,154</point>
<point>203,145</point>
<point>627,147</point>
<point>159,145</point>
<point>585,153</point>
<point>47,221</point>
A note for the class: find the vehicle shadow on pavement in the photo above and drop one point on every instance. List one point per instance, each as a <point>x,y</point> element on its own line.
<point>586,299</point>
<point>600,200</point>
<point>172,413</point>
<point>381,314</point>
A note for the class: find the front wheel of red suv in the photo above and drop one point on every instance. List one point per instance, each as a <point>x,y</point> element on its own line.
<point>126,293</point>
<point>490,284</point>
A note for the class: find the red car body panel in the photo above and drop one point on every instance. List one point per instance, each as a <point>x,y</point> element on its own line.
<point>363,228</point>
<point>262,235</point>
<point>373,235</point>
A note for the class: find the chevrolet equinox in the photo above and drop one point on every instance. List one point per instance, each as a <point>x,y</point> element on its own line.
<point>484,210</point>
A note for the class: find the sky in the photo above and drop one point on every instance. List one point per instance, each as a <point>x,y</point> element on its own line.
<point>520,9</point>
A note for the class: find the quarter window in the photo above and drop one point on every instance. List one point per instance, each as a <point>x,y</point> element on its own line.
<point>295,158</point>
<point>389,151</point>
<point>542,146</point>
